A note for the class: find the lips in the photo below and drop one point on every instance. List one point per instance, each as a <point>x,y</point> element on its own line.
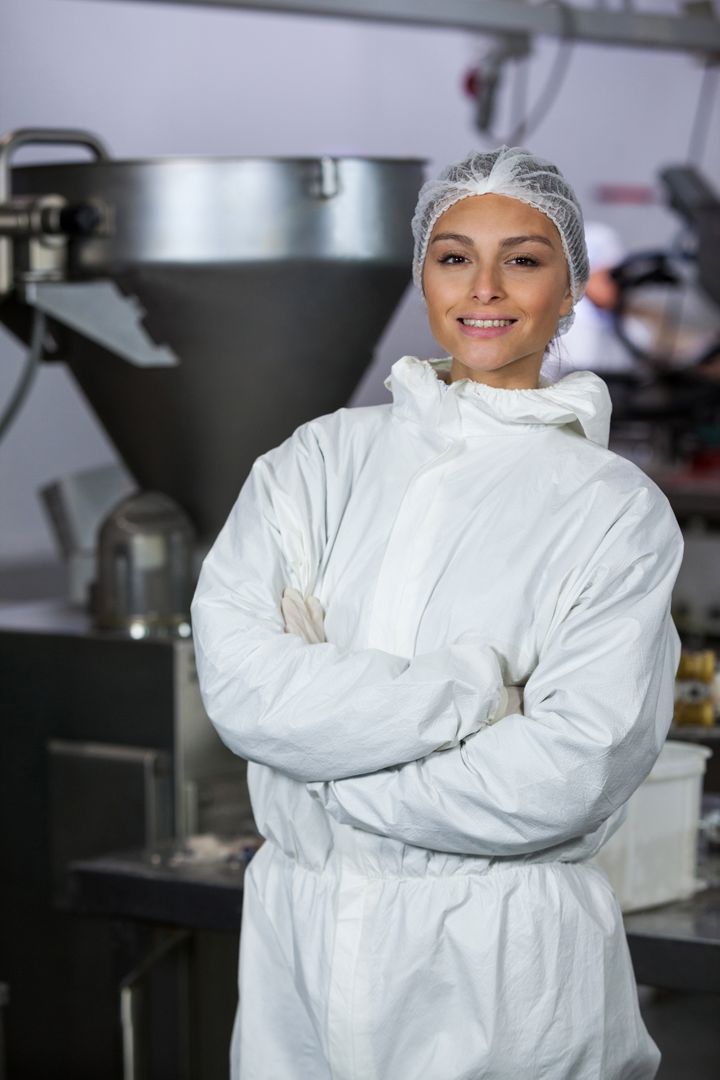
<point>485,321</point>
<point>482,329</point>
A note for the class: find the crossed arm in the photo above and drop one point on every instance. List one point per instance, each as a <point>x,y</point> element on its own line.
<point>317,711</point>
<point>596,713</point>
<point>364,728</point>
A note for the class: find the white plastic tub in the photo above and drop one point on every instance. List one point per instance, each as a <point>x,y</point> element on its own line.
<point>652,858</point>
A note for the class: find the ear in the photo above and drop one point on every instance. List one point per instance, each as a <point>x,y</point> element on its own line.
<point>566,304</point>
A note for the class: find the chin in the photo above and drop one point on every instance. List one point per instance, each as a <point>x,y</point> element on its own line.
<point>483,363</point>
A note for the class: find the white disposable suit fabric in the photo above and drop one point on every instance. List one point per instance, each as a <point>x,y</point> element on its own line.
<point>420,912</point>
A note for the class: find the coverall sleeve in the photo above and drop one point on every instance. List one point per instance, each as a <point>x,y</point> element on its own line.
<point>316,711</point>
<point>597,708</point>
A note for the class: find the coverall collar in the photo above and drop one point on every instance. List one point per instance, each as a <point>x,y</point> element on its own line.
<point>579,400</point>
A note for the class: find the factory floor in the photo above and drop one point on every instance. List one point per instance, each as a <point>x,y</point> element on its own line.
<point>685,1027</point>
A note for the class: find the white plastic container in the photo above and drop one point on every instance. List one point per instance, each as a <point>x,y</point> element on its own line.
<point>652,858</point>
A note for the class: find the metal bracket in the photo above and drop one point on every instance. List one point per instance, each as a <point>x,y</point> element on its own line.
<point>100,311</point>
<point>33,137</point>
<point>131,1001</point>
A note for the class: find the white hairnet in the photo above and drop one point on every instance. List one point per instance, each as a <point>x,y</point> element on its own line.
<point>518,174</point>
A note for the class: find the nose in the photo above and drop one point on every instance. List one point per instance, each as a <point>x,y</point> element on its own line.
<point>487,284</point>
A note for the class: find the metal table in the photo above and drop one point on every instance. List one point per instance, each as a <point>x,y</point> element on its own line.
<point>676,946</point>
<point>169,908</point>
<point>146,886</point>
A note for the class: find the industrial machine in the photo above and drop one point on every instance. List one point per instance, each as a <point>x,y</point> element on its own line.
<point>206,308</point>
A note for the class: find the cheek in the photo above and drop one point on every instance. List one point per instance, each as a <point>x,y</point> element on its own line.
<point>438,302</point>
<point>546,302</point>
<point>436,296</point>
<point>440,327</point>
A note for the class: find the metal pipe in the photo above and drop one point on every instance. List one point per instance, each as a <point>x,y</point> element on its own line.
<point>678,33</point>
<point>132,1063</point>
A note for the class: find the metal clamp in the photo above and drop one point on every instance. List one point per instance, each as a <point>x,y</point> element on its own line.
<point>14,216</point>
<point>325,183</point>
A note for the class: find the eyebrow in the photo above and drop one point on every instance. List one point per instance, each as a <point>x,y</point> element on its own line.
<point>510,241</point>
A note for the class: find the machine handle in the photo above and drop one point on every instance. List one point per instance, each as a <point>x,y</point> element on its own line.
<point>42,136</point>
<point>13,141</point>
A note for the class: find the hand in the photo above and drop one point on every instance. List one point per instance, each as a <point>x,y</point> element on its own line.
<point>514,703</point>
<point>303,616</point>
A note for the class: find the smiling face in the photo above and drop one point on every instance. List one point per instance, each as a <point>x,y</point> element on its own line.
<point>496,283</point>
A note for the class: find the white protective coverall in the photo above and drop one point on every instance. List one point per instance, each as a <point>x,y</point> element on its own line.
<point>421,913</point>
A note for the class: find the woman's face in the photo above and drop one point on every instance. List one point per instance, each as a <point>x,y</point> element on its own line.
<point>492,258</point>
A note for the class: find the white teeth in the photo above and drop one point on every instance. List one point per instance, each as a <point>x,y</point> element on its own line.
<point>485,323</point>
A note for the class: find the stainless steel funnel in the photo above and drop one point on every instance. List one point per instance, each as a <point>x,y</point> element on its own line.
<point>269,281</point>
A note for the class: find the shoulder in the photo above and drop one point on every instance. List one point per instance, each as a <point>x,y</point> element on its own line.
<point>615,505</point>
<point>630,488</point>
<point>639,521</point>
<point>610,480</point>
<point>338,431</point>
<point>360,422</point>
<point>326,442</point>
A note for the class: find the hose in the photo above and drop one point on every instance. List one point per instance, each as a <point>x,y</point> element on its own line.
<point>27,376</point>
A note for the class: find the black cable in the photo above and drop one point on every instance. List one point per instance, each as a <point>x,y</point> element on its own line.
<point>27,376</point>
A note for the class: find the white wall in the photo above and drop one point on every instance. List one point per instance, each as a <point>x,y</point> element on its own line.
<point>154,79</point>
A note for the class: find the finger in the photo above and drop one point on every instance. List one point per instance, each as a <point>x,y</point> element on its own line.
<point>316,613</point>
<point>293,620</point>
<point>314,606</point>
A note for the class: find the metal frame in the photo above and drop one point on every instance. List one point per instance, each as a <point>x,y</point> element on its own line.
<point>694,33</point>
<point>131,987</point>
<point>13,142</point>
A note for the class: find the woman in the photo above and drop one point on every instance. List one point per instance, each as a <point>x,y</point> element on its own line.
<point>440,632</point>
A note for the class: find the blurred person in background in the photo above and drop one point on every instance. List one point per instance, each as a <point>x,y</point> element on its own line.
<point>591,342</point>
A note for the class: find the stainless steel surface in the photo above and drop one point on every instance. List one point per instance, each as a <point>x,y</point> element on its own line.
<point>135,1025</point>
<point>697,33</point>
<point>100,312</point>
<point>76,505</point>
<point>31,217</point>
<point>105,797</point>
<point>136,702</point>
<point>34,250</point>
<point>145,568</point>
<point>113,690</point>
<point>210,211</point>
<point>9,145</point>
<point>270,281</point>
<point>676,945</point>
